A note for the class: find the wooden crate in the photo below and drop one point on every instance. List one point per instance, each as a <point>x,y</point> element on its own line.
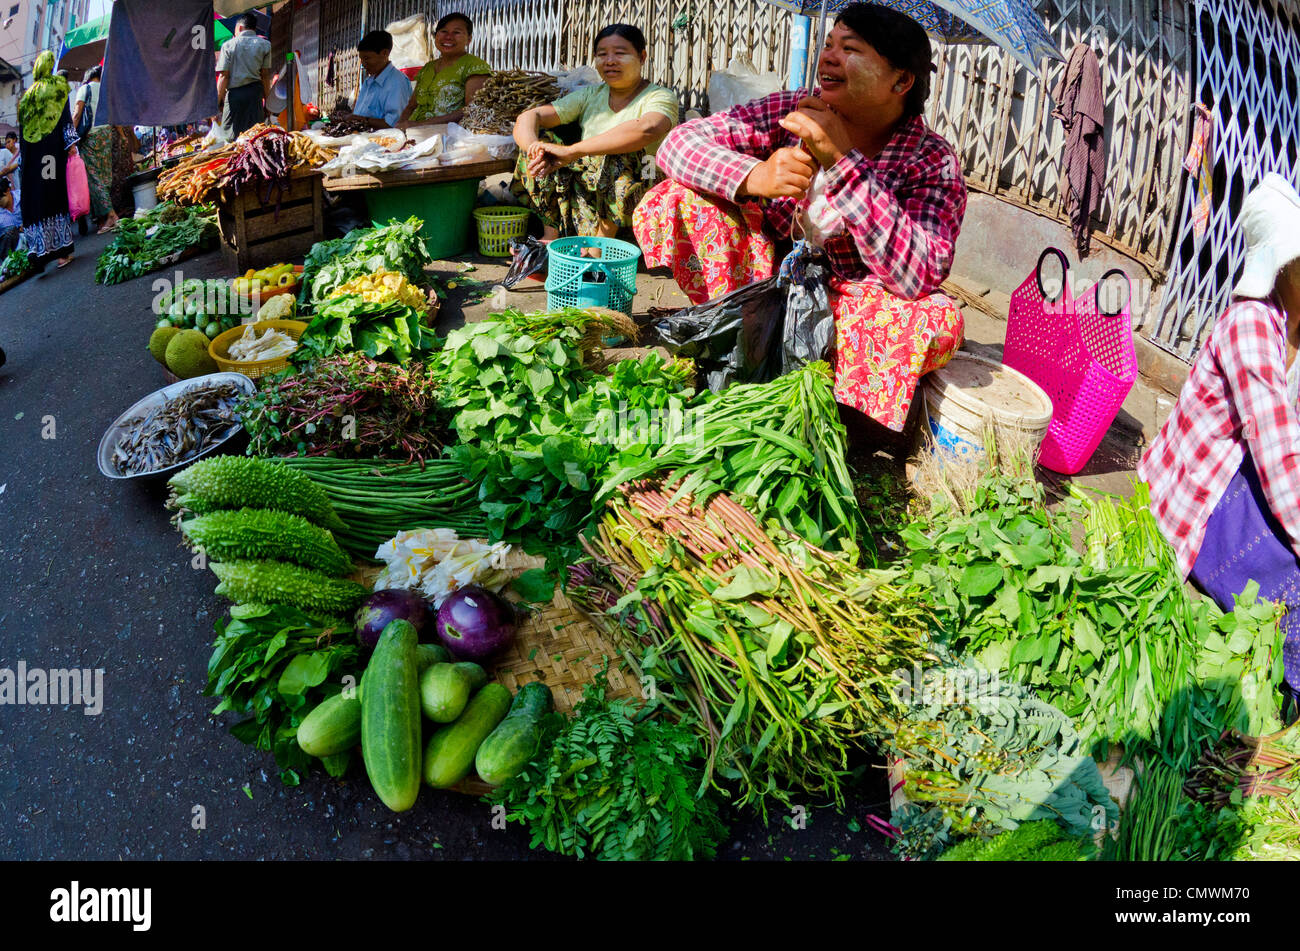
<point>254,235</point>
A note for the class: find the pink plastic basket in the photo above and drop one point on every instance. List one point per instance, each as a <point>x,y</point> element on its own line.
<point>1082,356</point>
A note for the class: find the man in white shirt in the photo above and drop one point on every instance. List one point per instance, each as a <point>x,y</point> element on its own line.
<point>243,78</point>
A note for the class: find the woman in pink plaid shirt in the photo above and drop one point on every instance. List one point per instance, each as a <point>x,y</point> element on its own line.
<point>854,169</point>
<point>1225,469</point>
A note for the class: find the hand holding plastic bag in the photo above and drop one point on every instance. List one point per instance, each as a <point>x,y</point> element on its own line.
<point>809,331</point>
<point>732,339</point>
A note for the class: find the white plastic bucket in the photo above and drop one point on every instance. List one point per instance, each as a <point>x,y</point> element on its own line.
<point>968,390</point>
<point>146,195</point>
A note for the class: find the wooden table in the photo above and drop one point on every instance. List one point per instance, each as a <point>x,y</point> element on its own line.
<point>422,176</point>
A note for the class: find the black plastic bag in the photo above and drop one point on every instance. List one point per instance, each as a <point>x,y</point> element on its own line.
<point>529,259</point>
<point>809,330</point>
<point>732,339</point>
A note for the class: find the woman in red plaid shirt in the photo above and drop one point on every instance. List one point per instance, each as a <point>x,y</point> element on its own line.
<point>854,169</point>
<point>1225,469</point>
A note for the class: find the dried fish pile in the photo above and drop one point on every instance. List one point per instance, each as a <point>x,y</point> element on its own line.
<point>506,94</point>
<point>177,430</point>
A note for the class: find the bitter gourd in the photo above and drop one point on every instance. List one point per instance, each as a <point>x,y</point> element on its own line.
<point>277,582</point>
<point>264,534</point>
<point>236,482</point>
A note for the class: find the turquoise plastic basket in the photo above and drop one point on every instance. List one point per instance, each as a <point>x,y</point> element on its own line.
<point>573,280</point>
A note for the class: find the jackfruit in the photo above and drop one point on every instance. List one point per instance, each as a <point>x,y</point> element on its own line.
<point>158,342</point>
<point>187,354</point>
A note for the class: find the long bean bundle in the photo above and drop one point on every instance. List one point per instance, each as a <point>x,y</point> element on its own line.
<point>378,499</point>
<point>778,447</point>
<point>1147,830</point>
<point>784,652</point>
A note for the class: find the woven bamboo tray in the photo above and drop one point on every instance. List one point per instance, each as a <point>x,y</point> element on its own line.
<point>555,644</point>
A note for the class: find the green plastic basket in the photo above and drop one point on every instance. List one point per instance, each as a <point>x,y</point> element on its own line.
<point>496,226</point>
<point>573,280</point>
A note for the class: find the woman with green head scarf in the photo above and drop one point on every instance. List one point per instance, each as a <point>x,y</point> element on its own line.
<point>48,138</point>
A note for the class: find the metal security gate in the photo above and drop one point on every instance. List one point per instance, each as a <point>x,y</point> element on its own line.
<point>998,117</point>
<point>515,34</point>
<point>1248,53</point>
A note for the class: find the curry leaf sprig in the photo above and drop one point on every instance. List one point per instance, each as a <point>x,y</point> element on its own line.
<point>609,784</point>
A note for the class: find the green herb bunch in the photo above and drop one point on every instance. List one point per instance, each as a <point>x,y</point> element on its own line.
<point>1039,841</point>
<point>15,263</point>
<point>274,664</point>
<point>610,786</point>
<point>396,246</point>
<point>386,330</point>
<point>393,409</point>
<point>143,244</point>
<point>538,431</point>
<point>1111,636</point>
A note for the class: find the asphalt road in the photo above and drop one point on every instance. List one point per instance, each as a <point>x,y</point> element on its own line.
<point>94,577</point>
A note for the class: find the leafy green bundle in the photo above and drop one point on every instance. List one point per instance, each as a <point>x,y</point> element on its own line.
<point>380,330</point>
<point>538,431</point>
<point>778,448</point>
<point>396,246</point>
<point>612,787</point>
<point>347,406</point>
<point>144,244</point>
<point>16,263</point>
<point>781,652</point>
<point>1113,638</point>
<point>273,665</point>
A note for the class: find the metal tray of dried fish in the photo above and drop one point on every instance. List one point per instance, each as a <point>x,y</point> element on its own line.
<point>210,432</point>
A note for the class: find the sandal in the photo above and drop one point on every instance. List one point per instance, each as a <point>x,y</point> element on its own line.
<point>64,262</point>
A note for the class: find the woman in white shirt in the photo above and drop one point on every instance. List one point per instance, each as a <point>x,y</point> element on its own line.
<point>97,151</point>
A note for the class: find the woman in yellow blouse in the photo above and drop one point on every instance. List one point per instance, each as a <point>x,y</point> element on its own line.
<point>591,187</point>
<point>446,85</point>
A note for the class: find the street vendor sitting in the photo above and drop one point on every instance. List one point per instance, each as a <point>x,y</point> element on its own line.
<point>854,169</point>
<point>384,91</point>
<point>591,187</point>
<point>1224,470</point>
<point>446,85</point>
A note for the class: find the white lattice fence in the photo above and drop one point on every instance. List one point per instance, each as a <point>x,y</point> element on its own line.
<point>685,40</point>
<point>1247,56</point>
<point>998,116</point>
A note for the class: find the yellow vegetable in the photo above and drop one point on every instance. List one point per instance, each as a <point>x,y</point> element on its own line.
<point>384,286</point>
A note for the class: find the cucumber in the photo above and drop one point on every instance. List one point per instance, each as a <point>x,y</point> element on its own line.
<point>334,726</point>
<point>445,689</point>
<point>450,753</point>
<point>429,654</point>
<point>515,741</point>
<point>390,718</point>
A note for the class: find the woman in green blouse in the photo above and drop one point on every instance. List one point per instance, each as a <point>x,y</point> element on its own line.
<point>591,187</point>
<point>449,83</point>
